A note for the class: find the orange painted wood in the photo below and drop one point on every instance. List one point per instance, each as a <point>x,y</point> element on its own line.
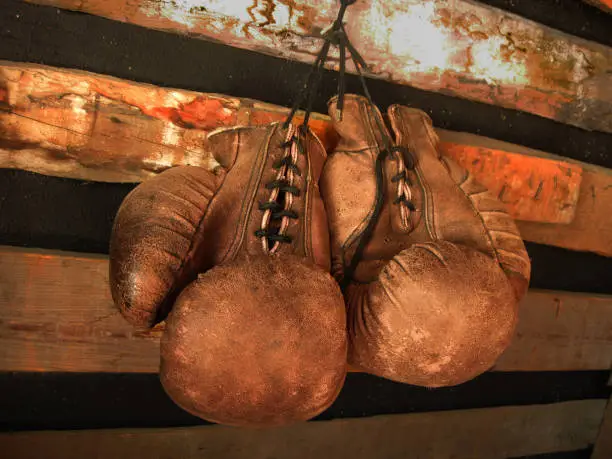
<point>460,48</point>
<point>57,315</point>
<point>526,184</point>
<point>484,433</point>
<point>81,125</point>
<point>591,228</point>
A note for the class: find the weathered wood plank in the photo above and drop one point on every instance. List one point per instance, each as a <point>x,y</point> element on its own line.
<point>591,228</point>
<point>525,184</point>
<point>603,444</point>
<point>82,125</point>
<point>57,315</point>
<point>461,48</point>
<point>126,136</point>
<point>492,433</point>
<point>60,317</point>
<point>561,331</point>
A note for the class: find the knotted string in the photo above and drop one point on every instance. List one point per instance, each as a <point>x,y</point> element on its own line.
<point>309,89</point>
<point>337,36</point>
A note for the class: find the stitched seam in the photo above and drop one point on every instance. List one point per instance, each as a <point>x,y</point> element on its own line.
<point>309,202</point>
<point>357,150</point>
<point>162,307</point>
<point>428,206</point>
<point>353,237</point>
<point>503,231</point>
<point>484,226</point>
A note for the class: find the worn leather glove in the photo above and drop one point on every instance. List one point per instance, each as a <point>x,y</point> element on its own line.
<point>256,331</point>
<point>432,298</point>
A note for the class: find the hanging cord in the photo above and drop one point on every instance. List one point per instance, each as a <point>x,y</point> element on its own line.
<point>388,149</point>
<point>337,36</point>
<point>310,87</point>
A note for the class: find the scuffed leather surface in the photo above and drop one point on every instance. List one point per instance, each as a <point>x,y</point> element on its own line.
<point>459,210</point>
<point>268,352</point>
<point>451,208</point>
<point>233,216</point>
<point>438,314</point>
<point>246,302</point>
<point>151,239</point>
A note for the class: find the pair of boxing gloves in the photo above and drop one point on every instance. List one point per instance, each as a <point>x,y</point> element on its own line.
<point>238,262</point>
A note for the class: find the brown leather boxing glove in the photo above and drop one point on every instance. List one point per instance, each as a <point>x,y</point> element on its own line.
<point>432,299</point>
<point>256,331</point>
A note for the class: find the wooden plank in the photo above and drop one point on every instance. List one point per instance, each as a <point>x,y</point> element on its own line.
<point>60,317</point>
<point>460,48</point>
<point>560,331</point>
<point>81,125</point>
<point>490,433</point>
<point>57,315</point>
<point>525,184</point>
<point>114,130</point>
<point>603,444</point>
<point>591,228</point>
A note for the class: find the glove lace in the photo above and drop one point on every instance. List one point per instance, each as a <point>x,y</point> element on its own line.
<point>336,35</point>
<point>277,211</point>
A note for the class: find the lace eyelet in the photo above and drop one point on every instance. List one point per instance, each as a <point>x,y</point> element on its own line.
<point>278,208</point>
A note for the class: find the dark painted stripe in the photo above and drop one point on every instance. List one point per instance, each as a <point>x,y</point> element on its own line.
<point>579,454</point>
<point>50,36</point>
<point>55,213</point>
<point>63,214</point>
<point>554,268</point>
<point>38,401</point>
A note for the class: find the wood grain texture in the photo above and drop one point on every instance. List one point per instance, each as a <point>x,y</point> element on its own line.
<point>60,317</point>
<point>57,315</point>
<point>603,444</point>
<point>526,184</point>
<point>591,228</point>
<point>492,433</point>
<point>460,48</point>
<point>81,125</point>
<point>561,331</point>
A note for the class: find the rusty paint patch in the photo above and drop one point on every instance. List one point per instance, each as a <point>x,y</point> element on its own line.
<point>527,185</point>
<point>201,113</point>
<point>4,97</point>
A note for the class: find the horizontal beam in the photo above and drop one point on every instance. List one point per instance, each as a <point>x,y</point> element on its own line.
<point>82,332</point>
<point>591,228</point>
<point>494,433</point>
<point>460,48</point>
<point>81,125</point>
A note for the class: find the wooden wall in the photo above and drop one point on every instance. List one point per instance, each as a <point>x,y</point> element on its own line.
<point>78,128</point>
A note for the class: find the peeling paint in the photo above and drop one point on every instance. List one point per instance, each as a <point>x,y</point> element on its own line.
<point>171,135</point>
<point>460,48</point>
<point>220,13</point>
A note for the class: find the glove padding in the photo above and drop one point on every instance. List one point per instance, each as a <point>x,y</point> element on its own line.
<point>239,259</point>
<point>434,298</point>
